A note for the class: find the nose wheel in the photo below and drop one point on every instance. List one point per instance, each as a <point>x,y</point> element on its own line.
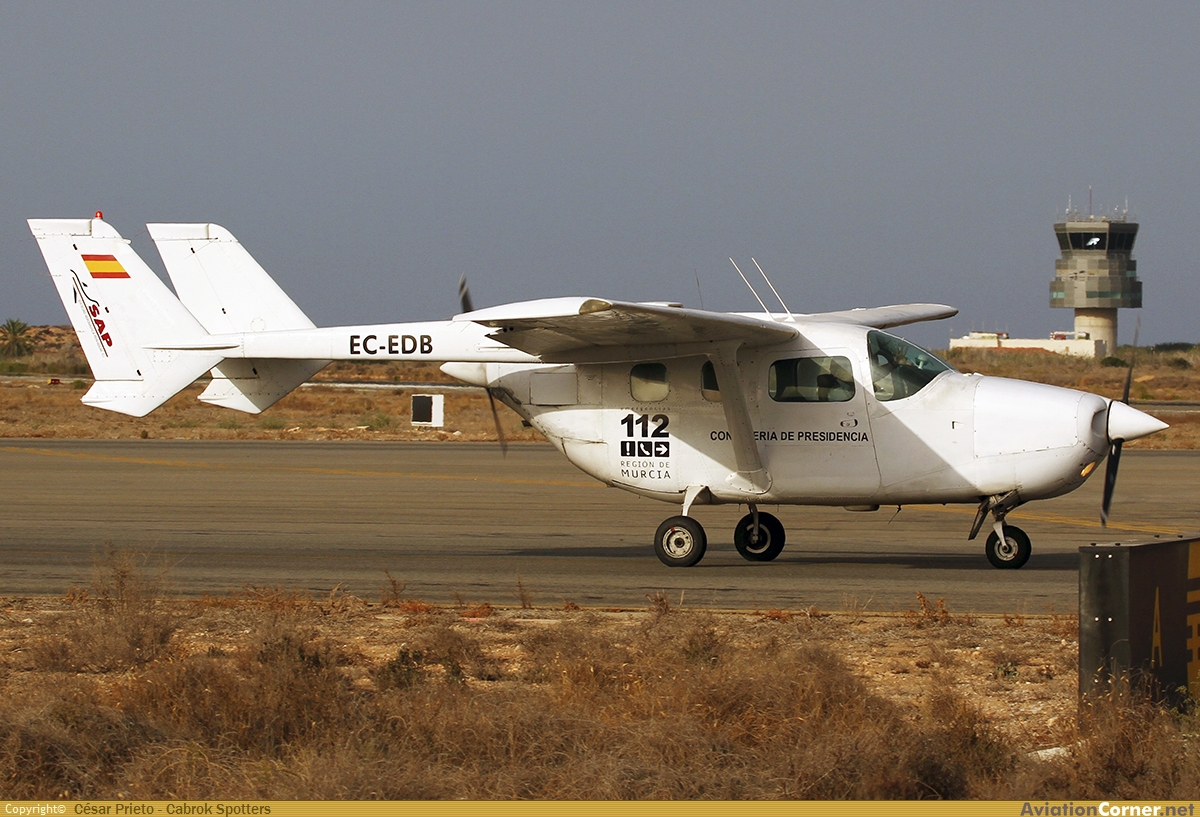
<point>1007,546</point>
<point>1011,553</point>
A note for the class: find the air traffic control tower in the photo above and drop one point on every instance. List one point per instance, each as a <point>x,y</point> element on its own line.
<point>1096,274</point>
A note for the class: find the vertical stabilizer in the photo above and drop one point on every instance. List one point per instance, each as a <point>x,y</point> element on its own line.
<point>229,292</point>
<point>118,307</point>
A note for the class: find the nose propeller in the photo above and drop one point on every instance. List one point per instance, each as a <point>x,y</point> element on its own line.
<point>464,297</point>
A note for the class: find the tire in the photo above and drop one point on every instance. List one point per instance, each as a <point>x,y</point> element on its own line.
<point>680,542</point>
<point>770,537</point>
<point>1015,552</point>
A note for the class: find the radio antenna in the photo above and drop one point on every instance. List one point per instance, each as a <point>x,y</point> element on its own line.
<point>699,291</point>
<point>790,316</point>
<point>752,290</point>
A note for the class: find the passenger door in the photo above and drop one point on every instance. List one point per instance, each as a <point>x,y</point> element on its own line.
<point>813,427</point>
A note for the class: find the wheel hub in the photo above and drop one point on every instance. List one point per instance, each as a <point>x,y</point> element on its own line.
<point>678,542</point>
<point>758,542</point>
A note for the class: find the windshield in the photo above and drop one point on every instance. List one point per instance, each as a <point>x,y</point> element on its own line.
<point>900,369</point>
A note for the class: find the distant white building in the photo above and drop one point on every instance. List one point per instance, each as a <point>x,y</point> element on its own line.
<point>1077,344</point>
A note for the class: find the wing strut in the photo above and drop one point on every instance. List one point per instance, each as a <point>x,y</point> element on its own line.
<point>751,477</point>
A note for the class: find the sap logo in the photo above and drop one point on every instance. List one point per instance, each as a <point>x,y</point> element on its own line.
<point>93,308</point>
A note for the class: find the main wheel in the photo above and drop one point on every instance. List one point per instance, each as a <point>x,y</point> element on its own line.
<point>1013,553</point>
<point>680,542</point>
<point>767,545</point>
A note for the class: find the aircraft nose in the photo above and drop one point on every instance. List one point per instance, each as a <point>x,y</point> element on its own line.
<point>1126,423</point>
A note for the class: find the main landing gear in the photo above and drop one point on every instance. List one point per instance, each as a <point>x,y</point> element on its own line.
<point>681,541</point>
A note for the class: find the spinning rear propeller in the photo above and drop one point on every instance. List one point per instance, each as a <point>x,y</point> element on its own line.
<point>464,298</point>
<point>1114,452</point>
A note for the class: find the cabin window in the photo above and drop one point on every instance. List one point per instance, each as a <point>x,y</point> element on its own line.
<point>811,380</point>
<point>709,389</point>
<point>900,369</point>
<point>648,382</point>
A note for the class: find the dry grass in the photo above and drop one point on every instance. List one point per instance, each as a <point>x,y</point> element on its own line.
<point>1167,375</point>
<point>276,693</point>
<point>43,409</point>
<point>120,622</point>
<point>56,350</point>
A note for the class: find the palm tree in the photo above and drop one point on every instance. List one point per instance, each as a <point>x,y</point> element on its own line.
<point>14,339</point>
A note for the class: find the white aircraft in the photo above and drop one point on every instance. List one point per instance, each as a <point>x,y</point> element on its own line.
<point>686,406</point>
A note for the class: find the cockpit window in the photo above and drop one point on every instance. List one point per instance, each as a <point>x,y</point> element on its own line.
<point>648,382</point>
<point>900,369</point>
<point>811,380</point>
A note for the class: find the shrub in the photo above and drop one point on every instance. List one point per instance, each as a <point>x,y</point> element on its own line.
<point>377,420</point>
<point>119,622</point>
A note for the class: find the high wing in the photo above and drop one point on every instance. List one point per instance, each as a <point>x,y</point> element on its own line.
<point>885,317</point>
<point>593,330</point>
<point>575,330</point>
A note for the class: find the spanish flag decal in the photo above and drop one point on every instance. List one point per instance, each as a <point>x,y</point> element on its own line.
<point>104,266</point>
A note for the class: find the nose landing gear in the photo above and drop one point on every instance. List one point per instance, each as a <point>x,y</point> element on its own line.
<point>1007,546</point>
<point>1011,552</point>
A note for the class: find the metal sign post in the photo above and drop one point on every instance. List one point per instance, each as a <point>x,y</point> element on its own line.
<point>1139,615</point>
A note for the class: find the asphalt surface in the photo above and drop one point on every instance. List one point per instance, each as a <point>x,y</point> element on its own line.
<point>456,521</point>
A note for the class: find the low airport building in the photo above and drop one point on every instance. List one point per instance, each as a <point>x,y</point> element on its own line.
<point>1063,343</point>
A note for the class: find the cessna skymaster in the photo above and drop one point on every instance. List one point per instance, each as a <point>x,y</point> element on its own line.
<point>682,405</point>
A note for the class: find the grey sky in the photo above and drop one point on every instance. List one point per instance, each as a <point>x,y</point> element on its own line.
<point>368,154</point>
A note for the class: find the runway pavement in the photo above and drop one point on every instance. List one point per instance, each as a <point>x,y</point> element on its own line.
<point>458,521</point>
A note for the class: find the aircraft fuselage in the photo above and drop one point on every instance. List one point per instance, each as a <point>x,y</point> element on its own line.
<point>958,438</point>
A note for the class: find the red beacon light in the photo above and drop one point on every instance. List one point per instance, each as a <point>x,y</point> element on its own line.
<point>99,214</point>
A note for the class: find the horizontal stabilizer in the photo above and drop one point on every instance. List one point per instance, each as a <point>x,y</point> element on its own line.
<point>253,385</point>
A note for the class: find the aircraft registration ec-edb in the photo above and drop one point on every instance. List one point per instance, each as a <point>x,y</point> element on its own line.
<point>682,405</point>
